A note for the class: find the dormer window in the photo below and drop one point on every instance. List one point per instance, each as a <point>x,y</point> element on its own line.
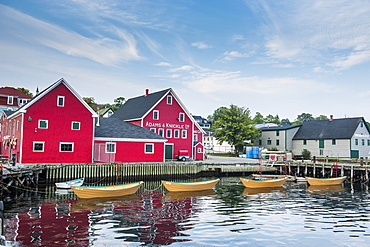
<point>10,100</point>
<point>60,101</point>
<point>169,100</point>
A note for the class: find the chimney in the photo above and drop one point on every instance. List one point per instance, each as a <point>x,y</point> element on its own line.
<point>331,118</point>
<point>146,92</point>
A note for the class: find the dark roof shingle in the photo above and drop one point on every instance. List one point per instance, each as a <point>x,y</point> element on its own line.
<point>342,128</point>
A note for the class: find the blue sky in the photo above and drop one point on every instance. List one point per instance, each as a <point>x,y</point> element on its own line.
<point>281,57</point>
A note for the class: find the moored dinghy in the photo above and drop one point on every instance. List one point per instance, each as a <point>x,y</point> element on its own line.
<point>68,184</point>
<point>190,186</point>
<point>326,181</point>
<point>250,183</point>
<point>106,191</point>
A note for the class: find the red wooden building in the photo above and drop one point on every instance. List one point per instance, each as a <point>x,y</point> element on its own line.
<point>163,113</point>
<point>12,99</point>
<point>56,126</point>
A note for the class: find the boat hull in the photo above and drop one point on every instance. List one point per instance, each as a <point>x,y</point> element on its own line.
<point>106,191</point>
<point>68,184</point>
<point>249,183</point>
<point>325,181</point>
<point>190,186</point>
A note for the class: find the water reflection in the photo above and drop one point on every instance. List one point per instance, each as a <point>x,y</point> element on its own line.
<point>229,215</point>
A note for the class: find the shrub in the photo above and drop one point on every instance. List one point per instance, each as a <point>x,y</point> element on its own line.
<point>306,154</point>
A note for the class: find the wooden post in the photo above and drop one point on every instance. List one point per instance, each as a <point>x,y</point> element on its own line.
<point>314,170</point>
<point>323,170</point>
<point>352,172</point>
<point>305,170</point>
<point>342,170</point>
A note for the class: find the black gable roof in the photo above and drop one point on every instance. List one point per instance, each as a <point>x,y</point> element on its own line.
<point>115,128</point>
<point>136,108</point>
<point>342,128</point>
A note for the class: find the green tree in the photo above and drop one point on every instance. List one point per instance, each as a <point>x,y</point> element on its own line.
<point>303,117</point>
<point>321,117</point>
<point>91,102</point>
<point>235,126</point>
<point>25,91</point>
<point>272,119</point>
<point>258,118</point>
<point>285,121</point>
<point>118,102</point>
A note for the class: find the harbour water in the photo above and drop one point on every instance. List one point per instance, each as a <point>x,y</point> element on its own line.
<point>229,215</point>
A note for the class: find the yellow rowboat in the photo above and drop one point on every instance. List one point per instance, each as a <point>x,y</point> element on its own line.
<point>325,181</point>
<point>250,183</point>
<point>106,191</point>
<point>190,186</point>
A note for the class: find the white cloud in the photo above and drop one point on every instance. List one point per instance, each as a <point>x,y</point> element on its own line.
<point>35,32</point>
<point>312,31</point>
<point>231,55</point>
<point>165,64</point>
<point>183,68</point>
<point>201,45</point>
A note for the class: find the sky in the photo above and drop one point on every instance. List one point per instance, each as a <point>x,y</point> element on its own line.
<point>282,58</point>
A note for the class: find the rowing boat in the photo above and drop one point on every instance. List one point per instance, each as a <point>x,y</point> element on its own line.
<point>250,183</point>
<point>190,186</point>
<point>106,191</point>
<point>325,181</point>
<point>67,184</point>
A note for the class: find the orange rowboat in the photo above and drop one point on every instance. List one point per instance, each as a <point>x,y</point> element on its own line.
<point>189,186</point>
<point>250,183</point>
<point>325,181</point>
<point>106,191</point>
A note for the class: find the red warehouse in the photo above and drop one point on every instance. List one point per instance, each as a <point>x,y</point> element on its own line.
<point>163,113</point>
<point>56,126</point>
<point>119,141</point>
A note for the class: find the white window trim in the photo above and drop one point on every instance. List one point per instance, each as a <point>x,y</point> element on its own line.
<point>47,124</point>
<point>199,150</point>
<point>153,129</point>
<point>182,117</point>
<point>10,100</point>
<point>106,147</point>
<point>168,133</point>
<point>38,142</point>
<point>184,132</point>
<point>159,131</point>
<point>154,112</point>
<point>195,137</point>
<point>61,97</point>
<point>151,144</point>
<point>60,147</point>
<point>169,99</point>
<point>176,133</point>
<point>79,125</point>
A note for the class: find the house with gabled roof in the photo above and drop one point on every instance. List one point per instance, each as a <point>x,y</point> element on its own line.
<point>277,136</point>
<point>12,99</point>
<point>119,141</point>
<point>342,138</point>
<point>56,126</point>
<point>163,113</point>
<point>105,112</point>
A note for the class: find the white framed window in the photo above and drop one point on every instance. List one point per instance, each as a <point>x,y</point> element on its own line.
<point>176,133</point>
<point>169,133</point>
<point>60,101</point>
<point>38,146</point>
<point>153,129</point>
<point>195,137</point>
<point>161,132</point>
<point>110,147</point>
<point>10,100</point>
<point>149,148</point>
<point>199,150</point>
<point>156,115</point>
<point>66,146</point>
<point>169,100</point>
<point>76,125</point>
<point>43,124</point>
<point>184,134</point>
<point>181,117</point>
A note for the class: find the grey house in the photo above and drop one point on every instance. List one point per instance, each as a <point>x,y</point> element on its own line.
<point>277,136</point>
<point>342,138</point>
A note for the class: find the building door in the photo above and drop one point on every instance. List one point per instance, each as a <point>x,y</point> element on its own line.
<point>168,151</point>
<point>355,154</point>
